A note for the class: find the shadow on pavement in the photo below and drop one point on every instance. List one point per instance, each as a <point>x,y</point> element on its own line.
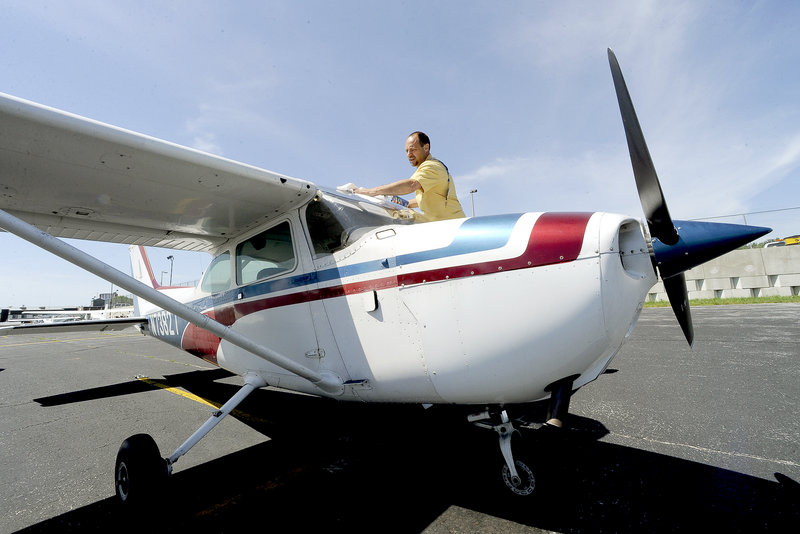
<point>391,468</point>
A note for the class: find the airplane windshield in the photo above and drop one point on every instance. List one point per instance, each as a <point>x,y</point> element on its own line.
<point>336,222</point>
<point>218,274</point>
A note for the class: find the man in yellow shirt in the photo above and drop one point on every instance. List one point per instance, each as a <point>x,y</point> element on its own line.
<point>431,182</point>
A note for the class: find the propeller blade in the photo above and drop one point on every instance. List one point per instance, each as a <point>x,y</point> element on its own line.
<point>678,296</point>
<point>697,243</point>
<point>650,193</point>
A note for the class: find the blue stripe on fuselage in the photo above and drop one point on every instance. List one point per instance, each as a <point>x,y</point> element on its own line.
<point>474,235</point>
<point>477,234</point>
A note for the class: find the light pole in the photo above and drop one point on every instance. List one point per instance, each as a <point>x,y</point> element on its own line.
<point>171,261</point>
<point>472,196</point>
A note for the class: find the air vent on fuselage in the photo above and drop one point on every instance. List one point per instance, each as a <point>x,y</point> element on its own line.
<point>634,252</point>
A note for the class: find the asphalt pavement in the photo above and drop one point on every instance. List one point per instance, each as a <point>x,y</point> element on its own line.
<point>668,439</point>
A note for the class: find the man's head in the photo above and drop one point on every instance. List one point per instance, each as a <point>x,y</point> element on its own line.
<point>418,148</point>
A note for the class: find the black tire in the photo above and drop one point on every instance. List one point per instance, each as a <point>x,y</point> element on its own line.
<point>140,472</point>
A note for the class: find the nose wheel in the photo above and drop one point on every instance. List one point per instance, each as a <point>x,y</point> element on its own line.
<point>517,476</point>
<point>523,483</point>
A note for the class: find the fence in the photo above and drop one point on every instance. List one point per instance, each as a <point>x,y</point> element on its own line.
<point>758,272</point>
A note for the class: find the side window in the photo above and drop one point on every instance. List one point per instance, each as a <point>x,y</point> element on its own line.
<point>323,228</point>
<point>218,274</point>
<point>264,255</point>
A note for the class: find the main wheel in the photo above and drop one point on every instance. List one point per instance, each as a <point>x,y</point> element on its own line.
<point>526,482</point>
<point>140,471</point>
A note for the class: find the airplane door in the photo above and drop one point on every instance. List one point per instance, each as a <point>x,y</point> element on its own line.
<point>274,304</point>
<point>376,334</point>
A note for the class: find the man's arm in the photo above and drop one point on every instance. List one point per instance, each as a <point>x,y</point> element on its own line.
<point>401,187</point>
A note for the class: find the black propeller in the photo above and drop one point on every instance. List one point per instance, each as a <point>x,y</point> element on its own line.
<point>697,242</point>
<point>652,197</point>
<point>650,194</point>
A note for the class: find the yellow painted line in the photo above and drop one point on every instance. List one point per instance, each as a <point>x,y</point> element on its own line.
<point>191,396</point>
<point>176,391</point>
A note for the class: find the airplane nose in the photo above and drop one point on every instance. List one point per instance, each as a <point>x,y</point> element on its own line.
<point>699,242</point>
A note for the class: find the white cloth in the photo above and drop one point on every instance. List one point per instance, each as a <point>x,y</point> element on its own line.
<point>349,187</point>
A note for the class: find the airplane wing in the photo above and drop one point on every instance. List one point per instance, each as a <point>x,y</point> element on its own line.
<point>78,178</point>
<point>101,325</point>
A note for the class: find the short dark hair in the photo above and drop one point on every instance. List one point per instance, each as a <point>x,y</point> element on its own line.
<point>422,138</point>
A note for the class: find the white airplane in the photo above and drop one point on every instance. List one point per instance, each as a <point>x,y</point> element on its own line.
<point>336,295</point>
<point>47,316</point>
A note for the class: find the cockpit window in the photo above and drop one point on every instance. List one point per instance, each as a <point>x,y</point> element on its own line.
<point>336,222</point>
<point>265,255</point>
<point>218,274</point>
<point>323,227</point>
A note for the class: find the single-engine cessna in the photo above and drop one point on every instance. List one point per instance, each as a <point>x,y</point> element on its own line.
<point>338,295</point>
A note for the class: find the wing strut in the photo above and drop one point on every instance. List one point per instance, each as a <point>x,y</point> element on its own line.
<point>327,382</point>
<point>251,384</point>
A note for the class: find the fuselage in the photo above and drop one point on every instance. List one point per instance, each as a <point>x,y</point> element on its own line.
<point>481,310</point>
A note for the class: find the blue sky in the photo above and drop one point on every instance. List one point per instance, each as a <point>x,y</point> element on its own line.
<point>516,97</point>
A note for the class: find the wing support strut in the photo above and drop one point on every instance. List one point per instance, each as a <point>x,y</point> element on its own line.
<point>252,383</point>
<point>327,382</point>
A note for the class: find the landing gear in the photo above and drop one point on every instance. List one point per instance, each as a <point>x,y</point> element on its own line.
<point>140,472</point>
<point>517,476</point>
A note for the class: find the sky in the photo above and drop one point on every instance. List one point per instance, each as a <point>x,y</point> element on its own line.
<point>516,96</point>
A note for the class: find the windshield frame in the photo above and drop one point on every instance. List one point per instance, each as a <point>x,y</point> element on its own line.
<point>347,218</point>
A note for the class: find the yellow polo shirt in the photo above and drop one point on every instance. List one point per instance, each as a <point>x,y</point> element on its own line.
<point>433,198</point>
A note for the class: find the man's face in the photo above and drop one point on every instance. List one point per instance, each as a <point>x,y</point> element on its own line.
<point>415,152</point>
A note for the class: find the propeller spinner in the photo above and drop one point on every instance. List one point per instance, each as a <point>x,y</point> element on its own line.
<point>675,249</point>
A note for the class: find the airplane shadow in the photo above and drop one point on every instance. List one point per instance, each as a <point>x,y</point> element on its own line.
<point>134,386</point>
<point>392,468</point>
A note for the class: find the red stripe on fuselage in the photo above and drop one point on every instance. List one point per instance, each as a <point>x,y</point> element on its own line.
<point>558,237</point>
<point>201,343</point>
<point>555,238</point>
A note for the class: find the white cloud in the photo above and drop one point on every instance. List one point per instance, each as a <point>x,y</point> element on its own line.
<point>588,181</point>
<point>788,159</point>
<point>207,142</point>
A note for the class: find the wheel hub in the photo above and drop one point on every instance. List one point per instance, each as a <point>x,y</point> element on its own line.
<point>123,481</point>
